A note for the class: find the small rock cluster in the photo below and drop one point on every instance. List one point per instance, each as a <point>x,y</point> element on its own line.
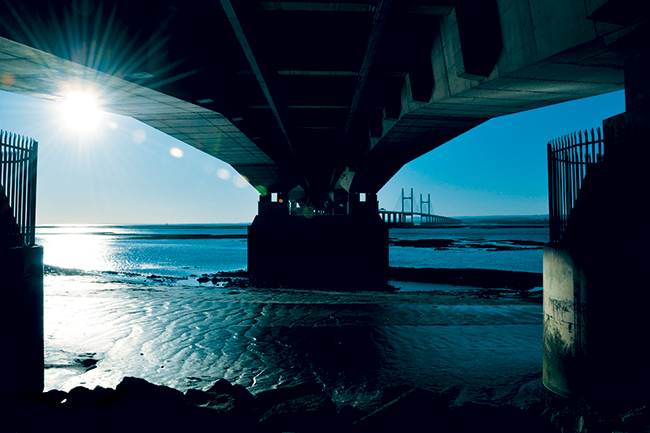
<point>227,279</point>
<point>136,405</point>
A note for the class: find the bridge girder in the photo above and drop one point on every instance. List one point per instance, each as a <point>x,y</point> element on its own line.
<point>295,94</point>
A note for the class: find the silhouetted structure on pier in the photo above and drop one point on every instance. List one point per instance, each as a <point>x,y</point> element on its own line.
<point>320,102</point>
<point>21,267</point>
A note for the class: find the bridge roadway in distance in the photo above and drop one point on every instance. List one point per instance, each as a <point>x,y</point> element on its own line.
<point>312,98</point>
<point>407,219</point>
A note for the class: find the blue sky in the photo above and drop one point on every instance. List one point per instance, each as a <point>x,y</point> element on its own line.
<point>124,172</point>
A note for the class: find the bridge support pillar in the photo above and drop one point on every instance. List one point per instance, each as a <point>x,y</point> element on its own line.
<point>22,323</point>
<point>596,324</point>
<point>596,297</point>
<point>324,251</point>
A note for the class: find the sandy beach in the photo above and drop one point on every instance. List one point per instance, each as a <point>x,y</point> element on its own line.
<point>486,345</point>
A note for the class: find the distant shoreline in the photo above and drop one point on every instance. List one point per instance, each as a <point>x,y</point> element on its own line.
<point>501,221</point>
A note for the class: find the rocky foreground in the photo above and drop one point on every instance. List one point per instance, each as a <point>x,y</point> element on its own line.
<point>139,406</point>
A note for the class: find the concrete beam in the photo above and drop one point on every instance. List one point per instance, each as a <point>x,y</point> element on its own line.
<point>239,32</point>
<point>32,72</point>
<point>479,31</point>
<point>622,12</point>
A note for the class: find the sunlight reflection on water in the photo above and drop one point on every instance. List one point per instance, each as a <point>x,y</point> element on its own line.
<point>78,251</point>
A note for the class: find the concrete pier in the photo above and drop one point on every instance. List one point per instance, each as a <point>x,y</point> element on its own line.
<point>596,324</point>
<point>22,322</point>
<point>330,251</point>
<point>596,298</point>
<point>564,322</point>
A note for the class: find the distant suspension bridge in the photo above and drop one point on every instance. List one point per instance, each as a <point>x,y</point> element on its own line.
<point>408,218</point>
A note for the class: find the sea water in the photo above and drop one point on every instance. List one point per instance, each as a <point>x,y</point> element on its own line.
<point>126,301</point>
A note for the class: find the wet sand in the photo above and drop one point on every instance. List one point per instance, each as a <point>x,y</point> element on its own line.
<point>485,345</point>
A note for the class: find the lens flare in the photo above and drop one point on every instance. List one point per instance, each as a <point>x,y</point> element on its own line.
<point>308,212</point>
<point>7,79</point>
<point>223,174</point>
<point>241,181</point>
<point>176,152</point>
<point>139,136</point>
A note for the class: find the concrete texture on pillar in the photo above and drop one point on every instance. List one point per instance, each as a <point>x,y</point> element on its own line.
<point>564,322</point>
<point>22,322</point>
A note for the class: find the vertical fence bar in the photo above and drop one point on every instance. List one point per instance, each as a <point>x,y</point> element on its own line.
<point>580,161</point>
<point>549,156</point>
<point>593,144</point>
<point>554,218</point>
<point>18,167</point>
<point>568,160</point>
<point>23,190</point>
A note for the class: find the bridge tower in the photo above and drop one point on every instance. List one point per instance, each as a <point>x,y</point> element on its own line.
<point>427,202</point>
<point>405,199</point>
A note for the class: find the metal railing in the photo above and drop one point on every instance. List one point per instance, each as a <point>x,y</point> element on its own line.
<point>18,161</point>
<point>569,159</point>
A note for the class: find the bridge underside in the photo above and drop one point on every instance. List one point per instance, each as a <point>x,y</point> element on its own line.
<point>318,99</point>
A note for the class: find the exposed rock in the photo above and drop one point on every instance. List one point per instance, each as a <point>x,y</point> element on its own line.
<point>137,406</point>
<point>348,415</point>
<point>223,403</point>
<point>53,397</point>
<point>637,418</point>
<point>88,363</point>
<point>242,394</point>
<point>199,397</point>
<point>81,397</point>
<point>265,400</point>
<point>407,412</point>
<point>310,413</point>
<point>483,417</point>
<point>221,386</point>
<point>144,394</point>
<point>390,393</point>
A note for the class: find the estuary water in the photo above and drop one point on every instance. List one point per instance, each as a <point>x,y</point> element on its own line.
<point>126,301</point>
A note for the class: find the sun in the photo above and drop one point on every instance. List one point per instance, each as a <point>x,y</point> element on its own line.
<point>80,112</point>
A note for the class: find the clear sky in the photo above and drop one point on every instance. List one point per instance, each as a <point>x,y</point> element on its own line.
<point>120,171</point>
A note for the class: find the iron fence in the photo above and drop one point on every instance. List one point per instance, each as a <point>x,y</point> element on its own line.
<point>570,158</point>
<point>18,160</point>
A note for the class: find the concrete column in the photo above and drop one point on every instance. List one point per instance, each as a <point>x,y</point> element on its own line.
<point>327,251</point>
<point>22,323</point>
<point>596,297</point>
<point>564,371</point>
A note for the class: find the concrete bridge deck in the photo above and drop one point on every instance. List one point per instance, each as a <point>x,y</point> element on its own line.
<point>311,97</point>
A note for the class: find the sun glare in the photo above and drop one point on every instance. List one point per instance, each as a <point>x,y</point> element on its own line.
<point>80,112</point>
